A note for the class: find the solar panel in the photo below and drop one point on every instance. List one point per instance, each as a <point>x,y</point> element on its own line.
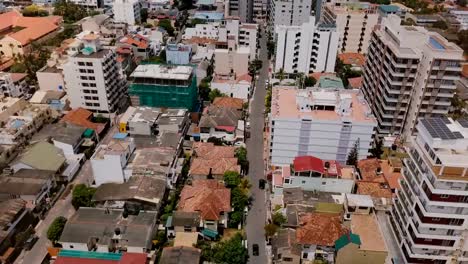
<point>437,128</point>
<point>463,122</point>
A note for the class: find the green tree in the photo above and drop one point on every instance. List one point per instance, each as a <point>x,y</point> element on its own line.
<point>254,67</point>
<point>309,81</point>
<point>31,61</point>
<point>231,251</point>
<point>82,196</point>
<point>353,155</point>
<point>34,11</point>
<point>268,100</point>
<point>196,21</point>
<point>166,25</point>
<point>239,199</point>
<point>204,90</point>
<point>56,228</point>
<point>281,75</point>
<point>270,230</point>
<point>70,11</point>
<point>215,93</point>
<point>278,218</point>
<point>377,150</point>
<point>159,239</point>
<point>144,15</point>
<point>185,4</point>
<point>440,24</point>
<point>241,155</point>
<point>245,185</point>
<point>216,141</point>
<point>235,218</point>
<point>231,179</point>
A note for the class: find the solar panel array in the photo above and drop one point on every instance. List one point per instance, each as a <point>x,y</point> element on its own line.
<point>438,129</point>
<point>463,122</point>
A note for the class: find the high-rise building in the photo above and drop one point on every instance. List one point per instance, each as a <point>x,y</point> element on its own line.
<point>288,12</point>
<point>354,22</point>
<point>429,217</point>
<point>89,3</point>
<point>92,77</point>
<point>409,73</point>
<point>127,11</point>
<point>306,48</point>
<point>319,122</point>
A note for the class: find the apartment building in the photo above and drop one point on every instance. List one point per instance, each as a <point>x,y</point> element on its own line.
<point>233,60</point>
<point>429,218</point>
<point>320,123</point>
<point>171,86</point>
<point>461,16</point>
<point>244,33</point>
<point>288,12</point>
<point>127,11</point>
<point>306,48</point>
<point>92,77</point>
<point>13,84</point>
<point>355,23</point>
<point>409,73</point>
<point>89,3</point>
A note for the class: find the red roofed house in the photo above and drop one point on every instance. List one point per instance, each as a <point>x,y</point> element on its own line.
<point>18,31</point>
<point>311,173</point>
<point>222,123</point>
<point>83,117</point>
<point>141,45</point>
<point>211,199</point>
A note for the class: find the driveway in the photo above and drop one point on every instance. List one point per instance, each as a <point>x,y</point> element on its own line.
<point>256,217</point>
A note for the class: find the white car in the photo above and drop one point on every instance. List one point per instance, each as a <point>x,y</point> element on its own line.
<point>239,144</point>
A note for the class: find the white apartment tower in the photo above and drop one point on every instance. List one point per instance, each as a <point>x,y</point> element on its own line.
<point>92,77</point>
<point>127,11</point>
<point>429,217</point>
<point>355,23</point>
<point>320,123</point>
<point>245,35</point>
<point>307,48</point>
<point>409,73</point>
<point>288,12</point>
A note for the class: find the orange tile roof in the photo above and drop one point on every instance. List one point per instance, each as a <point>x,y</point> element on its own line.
<point>81,117</point>
<point>317,75</point>
<point>320,229</point>
<point>391,174</point>
<point>465,71</point>
<point>355,83</point>
<point>209,197</point>
<point>201,166</point>
<point>137,41</point>
<point>17,76</point>
<point>33,27</point>
<point>231,102</point>
<point>352,58</point>
<point>374,189</point>
<point>208,150</point>
<point>368,169</point>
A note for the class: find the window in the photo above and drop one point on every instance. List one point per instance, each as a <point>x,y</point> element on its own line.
<point>435,219</point>
<point>287,180</point>
<point>87,97</point>
<point>287,259</point>
<point>82,71</point>
<point>80,63</point>
<point>83,78</point>
<point>432,229</point>
<point>85,84</point>
<point>90,71</point>
<point>89,64</point>
<point>96,104</point>
<point>92,78</point>
<point>92,85</point>
<point>71,246</point>
<point>86,91</point>
<point>95,98</point>
<point>445,196</point>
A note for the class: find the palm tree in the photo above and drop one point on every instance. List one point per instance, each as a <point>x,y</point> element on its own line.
<point>281,75</point>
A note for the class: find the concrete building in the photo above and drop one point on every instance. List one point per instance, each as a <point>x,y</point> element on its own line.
<point>321,123</point>
<point>306,48</point>
<point>50,79</point>
<point>164,86</point>
<point>245,34</point>
<point>92,77</point>
<point>178,54</point>
<point>429,218</point>
<point>462,17</point>
<point>89,3</point>
<point>288,12</point>
<point>237,88</point>
<point>109,161</point>
<point>409,73</point>
<point>354,22</point>
<point>233,61</point>
<point>210,31</point>
<point>13,84</point>
<point>127,11</point>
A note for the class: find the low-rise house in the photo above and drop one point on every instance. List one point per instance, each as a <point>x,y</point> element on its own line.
<point>104,25</point>
<point>285,247</point>
<point>180,254</point>
<point>83,117</point>
<point>18,32</point>
<point>221,123</point>
<point>13,84</point>
<point>141,46</point>
<point>180,222</point>
<point>312,173</point>
<point>105,230</point>
<point>211,162</point>
<point>239,87</point>
<point>212,199</point>
<point>66,256</point>
<point>363,245</point>
<point>373,182</point>
<point>229,102</point>
<point>8,153</point>
<point>354,59</point>
<point>55,100</point>
<point>330,82</point>
<point>357,204</point>
<point>32,186</point>
<point>67,137</point>
<point>142,192</point>
<point>109,160</point>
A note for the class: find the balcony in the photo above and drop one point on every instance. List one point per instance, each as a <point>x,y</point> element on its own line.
<point>419,242</point>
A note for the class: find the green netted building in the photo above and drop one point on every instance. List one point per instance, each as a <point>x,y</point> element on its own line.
<point>158,85</point>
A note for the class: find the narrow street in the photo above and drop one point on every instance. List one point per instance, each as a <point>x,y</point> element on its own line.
<point>257,215</point>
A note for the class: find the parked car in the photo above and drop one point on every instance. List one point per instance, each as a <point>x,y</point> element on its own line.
<point>255,250</point>
<point>30,242</point>
<point>261,184</point>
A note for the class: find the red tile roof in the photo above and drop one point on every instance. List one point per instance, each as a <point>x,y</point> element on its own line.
<point>374,189</point>
<point>352,58</point>
<point>369,170</point>
<point>208,150</point>
<point>81,117</point>
<point>320,229</point>
<point>231,102</point>
<point>355,83</point>
<point>33,27</point>
<point>308,163</point>
<point>201,166</point>
<point>136,40</point>
<point>18,76</point>
<point>209,197</point>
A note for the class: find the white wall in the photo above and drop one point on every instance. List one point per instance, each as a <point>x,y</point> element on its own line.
<point>108,169</point>
<point>321,184</point>
<point>66,148</point>
<point>127,11</point>
<point>236,90</point>
<point>50,81</point>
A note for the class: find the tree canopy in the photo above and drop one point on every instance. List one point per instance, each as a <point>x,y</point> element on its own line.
<point>166,25</point>
<point>215,93</point>
<point>270,230</point>
<point>56,228</point>
<point>34,11</point>
<point>231,251</point>
<point>241,155</point>
<point>353,155</point>
<point>309,81</point>
<point>231,179</point>
<point>31,61</point>
<point>82,196</point>
<point>278,218</point>
<point>70,11</point>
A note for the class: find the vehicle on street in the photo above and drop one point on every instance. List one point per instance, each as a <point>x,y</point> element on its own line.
<point>255,249</point>
<point>261,184</point>
<point>30,242</point>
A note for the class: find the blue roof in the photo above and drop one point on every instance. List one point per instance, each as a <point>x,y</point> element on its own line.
<point>205,2</point>
<point>120,135</point>
<point>209,15</point>
<point>90,254</point>
<point>210,233</point>
<point>18,123</point>
<point>436,44</point>
<point>389,8</point>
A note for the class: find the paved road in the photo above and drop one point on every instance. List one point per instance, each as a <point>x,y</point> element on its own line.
<point>62,207</point>
<point>257,215</point>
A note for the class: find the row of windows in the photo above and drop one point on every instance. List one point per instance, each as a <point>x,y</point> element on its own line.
<point>91,78</point>
<point>91,98</point>
<point>90,91</point>
<point>86,71</point>
<point>88,84</point>
<point>80,63</point>
<point>93,104</point>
